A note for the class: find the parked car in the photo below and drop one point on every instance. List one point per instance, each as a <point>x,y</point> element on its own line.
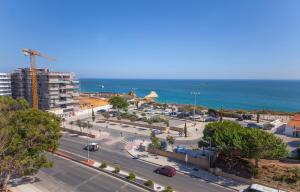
<point>92,147</point>
<point>261,188</point>
<point>166,170</point>
<point>163,145</point>
<point>247,116</point>
<point>196,117</point>
<point>253,125</point>
<point>211,119</point>
<point>113,113</point>
<point>157,131</point>
<point>184,114</point>
<point>240,118</point>
<point>101,111</point>
<point>173,114</point>
<point>180,149</point>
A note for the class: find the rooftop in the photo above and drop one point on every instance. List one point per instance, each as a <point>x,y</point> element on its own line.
<point>295,122</point>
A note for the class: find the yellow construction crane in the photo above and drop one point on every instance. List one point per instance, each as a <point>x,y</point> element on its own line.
<point>32,54</point>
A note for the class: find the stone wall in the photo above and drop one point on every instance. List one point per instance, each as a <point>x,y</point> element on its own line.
<point>201,162</point>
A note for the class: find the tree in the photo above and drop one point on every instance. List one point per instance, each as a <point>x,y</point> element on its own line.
<point>27,134</point>
<point>185,130</point>
<point>133,118</point>
<point>118,103</point>
<point>155,142</point>
<point>233,140</point>
<point>171,140</point>
<point>79,124</point>
<point>106,115</point>
<point>71,123</point>
<point>257,117</point>
<point>93,115</point>
<point>63,121</point>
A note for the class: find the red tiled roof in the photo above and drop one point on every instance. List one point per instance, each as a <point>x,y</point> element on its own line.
<point>295,122</point>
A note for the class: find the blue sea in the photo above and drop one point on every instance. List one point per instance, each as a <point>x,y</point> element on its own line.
<point>278,95</point>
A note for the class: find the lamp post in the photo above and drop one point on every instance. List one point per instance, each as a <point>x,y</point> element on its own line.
<point>88,141</point>
<point>195,98</point>
<point>102,87</point>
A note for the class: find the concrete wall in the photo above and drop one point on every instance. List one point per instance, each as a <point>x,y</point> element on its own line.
<point>202,162</point>
<point>89,111</point>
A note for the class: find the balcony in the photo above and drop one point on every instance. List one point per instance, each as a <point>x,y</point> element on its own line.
<point>68,101</point>
<point>53,89</point>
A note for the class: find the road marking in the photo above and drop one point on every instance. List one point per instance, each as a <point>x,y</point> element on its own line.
<point>88,180</point>
<point>122,187</point>
<point>104,174</point>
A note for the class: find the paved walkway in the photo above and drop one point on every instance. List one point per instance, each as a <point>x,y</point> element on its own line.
<point>186,169</point>
<point>194,131</point>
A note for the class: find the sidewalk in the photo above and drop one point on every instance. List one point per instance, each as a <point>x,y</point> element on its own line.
<point>39,183</point>
<point>186,169</point>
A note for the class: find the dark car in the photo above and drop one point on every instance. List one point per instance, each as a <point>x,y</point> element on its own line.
<point>101,111</point>
<point>92,147</point>
<point>211,119</point>
<point>113,113</point>
<point>166,170</point>
<point>253,125</point>
<point>163,145</point>
<point>184,114</point>
<point>247,116</point>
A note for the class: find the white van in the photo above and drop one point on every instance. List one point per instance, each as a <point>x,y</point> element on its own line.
<point>261,188</point>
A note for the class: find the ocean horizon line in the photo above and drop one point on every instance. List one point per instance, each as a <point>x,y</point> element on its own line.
<point>190,79</point>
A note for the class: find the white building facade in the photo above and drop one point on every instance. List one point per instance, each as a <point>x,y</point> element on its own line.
<point>5,84</point>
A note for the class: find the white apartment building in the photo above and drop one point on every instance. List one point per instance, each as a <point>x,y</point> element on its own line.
<point>5,84</point>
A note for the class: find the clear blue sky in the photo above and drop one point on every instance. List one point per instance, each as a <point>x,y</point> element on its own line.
<point>199,39</point>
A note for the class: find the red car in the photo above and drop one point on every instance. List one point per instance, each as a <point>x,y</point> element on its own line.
<point>166,170</point>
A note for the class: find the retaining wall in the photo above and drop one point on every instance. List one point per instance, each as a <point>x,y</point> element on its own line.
<point>202,162</point>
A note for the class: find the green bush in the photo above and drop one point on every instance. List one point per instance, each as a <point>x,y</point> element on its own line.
<point>103,165</point>
<point>131,176</point>
<point>168,189</point>
<point>117,169</point>
<point>149,183</point>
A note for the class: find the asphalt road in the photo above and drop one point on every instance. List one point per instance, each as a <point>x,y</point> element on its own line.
<point>66,175</point>
<point>180,182</point>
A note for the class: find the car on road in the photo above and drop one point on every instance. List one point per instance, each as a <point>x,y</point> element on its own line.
<point>166,170</point>
<point>92,147</point>
<point>211,119</point>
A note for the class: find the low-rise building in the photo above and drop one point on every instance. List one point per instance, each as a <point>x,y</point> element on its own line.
<point>56,90</point>
<point>293,127</point>
<point>5,84</point>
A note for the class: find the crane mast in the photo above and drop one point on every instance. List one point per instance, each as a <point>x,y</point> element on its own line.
<point>34,89</point>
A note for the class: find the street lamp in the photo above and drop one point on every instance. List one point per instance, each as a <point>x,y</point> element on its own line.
<point>88,141</point>
<point>195,96</point>
<point>102,87</point>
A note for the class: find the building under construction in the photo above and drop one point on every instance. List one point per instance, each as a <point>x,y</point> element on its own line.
<point>56,90</point>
